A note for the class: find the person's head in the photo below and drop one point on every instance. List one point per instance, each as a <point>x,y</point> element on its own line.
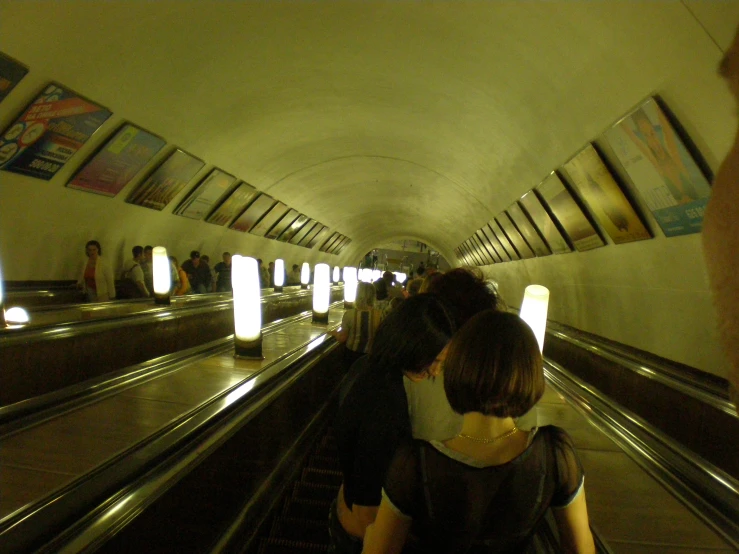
<point>493,366</point>
<point>296,267</point>
<point>174,262</point>
<point>227,258</point>
<point>271,265</point>
<point>410,337</point>
<point>195,258</point>
<point>420,270</point>
<point>365,296</point>
<point>389,278</point>
<point>205,259</point>
<point>138,253</point>
<point>428,280</point>
<point>259,261</point>
<point>381,289</point>
<point>414,286</point>
<point>93,249</point>
<point>464,291</point>
<point>148,252</point>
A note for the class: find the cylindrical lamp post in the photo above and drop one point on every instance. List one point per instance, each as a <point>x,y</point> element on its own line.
<point>16,317</point>
<point>247,308</point>
<point>350,287</point>
<point>162,275</point>
<point>400,277</point>
<point>304,275</point>
<point>321,293</point>
<point>534,311</point>
<point>337,274</point>
<point>279,274</point>
<point>376,274</point>
<point>2,300</point>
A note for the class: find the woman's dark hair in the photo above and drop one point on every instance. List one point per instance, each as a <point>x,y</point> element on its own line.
<point>464,291</point>
<point>412,335</point>
<point>94,243</point>
<point>493,366</point>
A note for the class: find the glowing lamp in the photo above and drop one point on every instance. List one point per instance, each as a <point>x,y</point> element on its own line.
<point>321,293</point>
<point>534,311</point>
<point>16,316</point>
<point>304,275</point>
<point>247,308</point>
<point>376,274</point>
<point>337,274</point>
<point>400,277</point>
<point>279,276</point>
<point>162,275</point>
<point>350,287</point>
<point>2,299</point>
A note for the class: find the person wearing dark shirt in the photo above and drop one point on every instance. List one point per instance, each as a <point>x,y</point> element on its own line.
<point>198,273</point>
<point>487,489</point>
<point>373,417</point>
<point>223,274</point>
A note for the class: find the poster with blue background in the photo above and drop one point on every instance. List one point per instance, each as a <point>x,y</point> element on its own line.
<point>11,72</point>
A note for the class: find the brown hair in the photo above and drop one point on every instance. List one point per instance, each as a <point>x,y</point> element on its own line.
<point>464,290</point>
<point>493,366</point>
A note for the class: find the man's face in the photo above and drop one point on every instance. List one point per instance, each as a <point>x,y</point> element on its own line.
<point>227,259</point>
<point>195,261</point>
<point>148,255</point>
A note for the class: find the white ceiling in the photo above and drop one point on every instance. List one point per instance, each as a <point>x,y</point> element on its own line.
<point>383,120</point>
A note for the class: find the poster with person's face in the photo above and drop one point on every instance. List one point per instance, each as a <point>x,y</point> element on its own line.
<point>11,72</point>
<point>604,197</point>
<point>113,166</point>
<point>661,168</point>
<point>581,232</point>
<point>233,205</point>
<point>207,194</point>
<point>49,132</point>
<point>166,181</point>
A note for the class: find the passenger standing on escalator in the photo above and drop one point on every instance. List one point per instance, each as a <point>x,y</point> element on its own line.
<point>198,273</point>
<point>223,274</point>
<point>132,276</point>
<point>147,266</point>
<point>96,278</point>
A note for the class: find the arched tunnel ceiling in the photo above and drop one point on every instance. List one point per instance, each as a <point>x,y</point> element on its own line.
<point>382,120</point>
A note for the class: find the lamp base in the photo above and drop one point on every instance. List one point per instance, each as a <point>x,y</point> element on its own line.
<point>162,299</point>
<point>348,305</point>
<point>278,289</point>
<point>320,318</point>
<point>248,350</point>
<point>303,286</point>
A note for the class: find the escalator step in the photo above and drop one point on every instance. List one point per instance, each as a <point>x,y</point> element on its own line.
<point>279,546</point>
<point>315,510</point>
<point>295,529</point>
<point>321,476</point>
<point>310,491</point>
<point>324,462</point>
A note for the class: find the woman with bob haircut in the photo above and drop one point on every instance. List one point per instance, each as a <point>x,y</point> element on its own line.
<point>373,416</point>
<point>487,489</point>
<point>359,325</point>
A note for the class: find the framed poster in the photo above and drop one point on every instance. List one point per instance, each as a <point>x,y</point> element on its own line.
<point>582,234</point>
<point>544,223</point>
<point>317,228</point>
<point>293,228</point>
<point>527,230</point>
<point>207,194</point>
<point>514,236</point>
<point>49,132</point>
<point>318,237</point>
<point>474,253</point>
<point>489,248</point>
<point>166,181</point>
<point>303,232</point>
<point>239,199</point>
<point>270,218</point>
<point>469,255</point>
<point>332,249</point>
<point>503,240</point>
<point>253,213</point>
<point>284,222</point>
<point>343,245</point>
<point>333,238</point>
<point>480,251</point>
<point>114,165</point>
<point>661,168</point>
<point>495,243</point>
<point>11,73</point>
<point>466,258</point>
<point>604,197</point>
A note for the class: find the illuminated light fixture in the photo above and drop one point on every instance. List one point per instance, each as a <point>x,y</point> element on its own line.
<point>304,275</point>
<point>2,299</point>
<point>400,277</point>
<point>162,275</point>
<point>534,311</point>
<point>337,274</point>
<point>350,287</point>
<point>321,293</point>
<point>279,275</point>
<point>376,274</point>
<point>247,308</point>
<point>16,316</point>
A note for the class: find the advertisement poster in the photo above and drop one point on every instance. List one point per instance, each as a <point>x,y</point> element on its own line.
<point>317,228</point>
<point>495,243</point>
<point>321,235</point>
<point>503,240</point>
<point>472,247</point>
<point>11,73</point>
<point>112,167</point>
<point>206,195</point>
<point>282,224</point>
<point>582,234</point>
<point>293,229</point>
<point>343,245</point>
<point>544,223</point>
<point>514,236</point>
<point>253,213</point>
<point>483,239</point>
<point>529,232</point>
<point>233,205</point>
<point>662,169</point>
<point>482,250</point>
<point>329,241</point>
<point>49,132</point>
<point>604,197</point>
<point>304,231</point>
<point>269,219</point>
<point>166,181</point>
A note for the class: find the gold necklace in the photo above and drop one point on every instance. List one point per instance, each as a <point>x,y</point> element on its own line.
<point>493,439</point>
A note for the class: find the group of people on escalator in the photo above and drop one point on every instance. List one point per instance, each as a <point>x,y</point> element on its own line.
<point>432,455</point>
